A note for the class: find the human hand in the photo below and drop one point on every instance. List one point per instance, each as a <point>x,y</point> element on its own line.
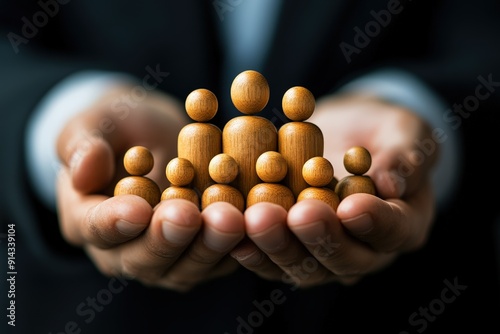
<point>172,245</point>
<point>311,244</point>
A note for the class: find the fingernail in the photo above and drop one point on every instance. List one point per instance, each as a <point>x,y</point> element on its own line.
<point>361,224</point>
<point>219,241</point>
<point>272,239</point>
<point>250,259</point>
<point>176,234</point>
<point>129,229</point>
<point>310,233</point>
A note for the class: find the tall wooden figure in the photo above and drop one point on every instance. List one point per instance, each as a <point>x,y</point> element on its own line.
<point>199,142</point>
<point>246,137</point>
<point>299,140</point>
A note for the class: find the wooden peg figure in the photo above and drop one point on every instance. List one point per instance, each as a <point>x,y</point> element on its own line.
<point>298,140</point>
<point>246,137</point>
<point>200,141</point>
<point>357,161</point>
<point>318,173</point>
<point>223,169</point>
<point>138,161</point>
<point>180,173</point>
<point>271,168</point>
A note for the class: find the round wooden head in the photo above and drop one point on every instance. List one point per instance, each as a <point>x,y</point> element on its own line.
<point>250,92</point>
<point>357,160</point>
<point>271,167</point>
<point>138,160</point>
<point>298,103</point>
<point>318,172</point>
<point>201,105</point>
<point>223,168</point>
<point>180,172</point>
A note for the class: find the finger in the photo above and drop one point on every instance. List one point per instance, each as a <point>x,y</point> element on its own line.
<point>90,158</point>
<point>174,225</point>
<point>97,219</point>
<point>266,226</point>
<point>252,258</point>
<point>223,228</point>
<point>398,173</point>
<point>315,224</point>
<point>389,225</point>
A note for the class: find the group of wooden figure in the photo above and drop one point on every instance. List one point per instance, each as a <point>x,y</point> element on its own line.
<point>249,160</point>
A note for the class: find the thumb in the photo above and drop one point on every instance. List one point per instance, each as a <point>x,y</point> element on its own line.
<point>399,173</point>
<point>89,158</point>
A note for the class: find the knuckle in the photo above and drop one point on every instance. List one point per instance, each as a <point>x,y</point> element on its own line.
<point>197,257</point>
<point>158,250</point>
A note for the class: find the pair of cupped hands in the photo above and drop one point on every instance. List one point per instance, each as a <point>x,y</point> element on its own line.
<point>176,246</point>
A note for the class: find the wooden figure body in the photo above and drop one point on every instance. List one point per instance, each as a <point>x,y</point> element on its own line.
<point>199,142</point>
<point>180,173</point>
<point>298,140</point>
<point>271,168</point>
<point>357,161</point>
<point>246,137</point>
<point>138,161</point>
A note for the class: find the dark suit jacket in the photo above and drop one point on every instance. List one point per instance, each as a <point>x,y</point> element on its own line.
<point>448,285</point>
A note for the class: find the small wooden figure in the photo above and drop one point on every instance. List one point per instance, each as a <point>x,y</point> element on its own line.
<point>223,169</point>
<point>357,161</point>
<point>200,141</point>
<point>318,173</point>
<point>298,140</point>
<point>138,161</point>
<point>180,173</point>
<point>271,168</point>
<point>246,137</point>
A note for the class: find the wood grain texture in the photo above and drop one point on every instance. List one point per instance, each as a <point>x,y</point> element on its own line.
<point>201,105</point>
<point>317,172</point>
<point>353,184</point>
<point>298,103</point>
<point>138,160</point>
<point>250,92</point>
<point>245,138</point>
<point>223,168</point>
<point>140,186</point>
<point>199,143</point>
<point>182,193</point>
<point>179,172</point>
<point>272,193</point>
<point>298,142</point>
<point>271,167</point>
<point>223,193</point>
<point>323,194</point>
<point>357,160</point>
